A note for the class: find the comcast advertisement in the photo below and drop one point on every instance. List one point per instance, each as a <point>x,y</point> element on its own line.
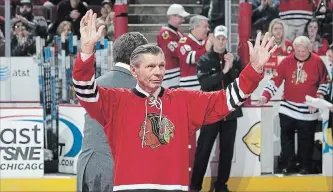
<point>27,150</point>
<point>21,147</point>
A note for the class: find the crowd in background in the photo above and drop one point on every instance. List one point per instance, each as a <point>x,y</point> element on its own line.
<point>198,60</point>
<point>288,19</point>
<point>30,18</point>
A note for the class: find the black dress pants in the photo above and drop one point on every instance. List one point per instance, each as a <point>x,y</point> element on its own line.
<point>208,134</point>
<point>305,140</point>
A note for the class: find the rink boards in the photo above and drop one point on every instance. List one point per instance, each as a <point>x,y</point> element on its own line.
<point>254,184</point>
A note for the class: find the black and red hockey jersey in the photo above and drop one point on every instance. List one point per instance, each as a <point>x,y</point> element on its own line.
<point>189,51</point>
<point>309,77</point>
<point>167,40</point>
<point>296,10</point>
<point>150,143</point>
<point>284,50</point>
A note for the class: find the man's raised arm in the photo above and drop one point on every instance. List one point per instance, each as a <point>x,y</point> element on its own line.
<point>97,101</point>
<point>209,107</point>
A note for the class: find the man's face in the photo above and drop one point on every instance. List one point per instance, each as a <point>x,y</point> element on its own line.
<point>302,52</point>
<point>220,42</point>
<point>25,10</point>
<point>202,29</point>
<point>177,20</point>
<point>150,71</point>
<point>330,55</point>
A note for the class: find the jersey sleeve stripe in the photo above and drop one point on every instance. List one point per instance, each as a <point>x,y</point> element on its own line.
<point>271,88</point>
<point>188,58</point>
<point>235,96</point>
<point>85,89</point>
<point>84,83</point>
<point>193,57</point>
<point>89,99</point>
<point>323,89</point>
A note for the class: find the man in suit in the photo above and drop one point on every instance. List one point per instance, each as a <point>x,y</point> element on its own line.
<point>95,163</point>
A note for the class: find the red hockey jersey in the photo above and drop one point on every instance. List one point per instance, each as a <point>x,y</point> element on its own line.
<point>284,51</point>
<point>322,47</point>
<point>296,10</point>
<point>300,79</point>
<point>167,40</point>
<point>151,151</point>
<point>189,51</point>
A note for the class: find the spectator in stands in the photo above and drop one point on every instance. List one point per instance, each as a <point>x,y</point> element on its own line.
<point>52,3</point>
<point>216,14</point>
<point>295,14</point>
<point>276,29</point>
<point>72,11</point>
<point>256,3</point>
<point>264,14</point>
<point>64,29</point>
<point>167,39</point>
<point>217,69</point>
<point>22,43</point>
<point>319,44</point>
<point>324,16</point>
<point>105,9</point>
<point>190,49</point>
<point>107,16</point>
<point>303,74</point>
<point>106,34</point>
<point>37,25</point>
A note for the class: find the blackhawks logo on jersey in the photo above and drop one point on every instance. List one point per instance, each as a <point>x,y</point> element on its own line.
<point>165,35</point>
<point>156,131</point>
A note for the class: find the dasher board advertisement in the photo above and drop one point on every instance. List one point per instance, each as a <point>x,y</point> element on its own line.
<point>21,143</point>
<point>19,79</point>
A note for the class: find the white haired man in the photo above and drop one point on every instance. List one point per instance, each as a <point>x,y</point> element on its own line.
<point>190,49</point>
<point>167,39</point>
<point>303,73</point>
<point>148,126</point>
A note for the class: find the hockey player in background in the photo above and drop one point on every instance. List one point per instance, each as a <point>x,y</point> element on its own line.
<point>190,49</point>
<point>167,40</point>
<point>148,126</point>
<point>303,73</point>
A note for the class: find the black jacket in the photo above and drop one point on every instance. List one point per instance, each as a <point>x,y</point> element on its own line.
<point>212,78</point>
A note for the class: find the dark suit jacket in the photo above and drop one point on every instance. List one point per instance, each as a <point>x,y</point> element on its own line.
<point>95,141</point>
<point>211,77</point>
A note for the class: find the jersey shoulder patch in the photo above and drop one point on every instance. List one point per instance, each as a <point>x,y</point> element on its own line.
<point>165,35</point>
<point>182,40</point>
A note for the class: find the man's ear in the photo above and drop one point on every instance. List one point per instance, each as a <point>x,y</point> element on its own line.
<point>133,71</point>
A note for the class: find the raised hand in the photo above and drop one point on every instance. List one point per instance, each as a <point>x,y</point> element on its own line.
<point>261,53</point>
<point>89,34</point>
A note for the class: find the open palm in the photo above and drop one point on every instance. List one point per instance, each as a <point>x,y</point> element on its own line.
<point>89,33</point>
<point>261,52</point>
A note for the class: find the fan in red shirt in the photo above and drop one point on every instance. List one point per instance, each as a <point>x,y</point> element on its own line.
<point>276,29</point>
<point>319,44</point>
<point>167,39</point>
<point>148,127</point>
<point>303,73</point>
<point>190,49</point>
